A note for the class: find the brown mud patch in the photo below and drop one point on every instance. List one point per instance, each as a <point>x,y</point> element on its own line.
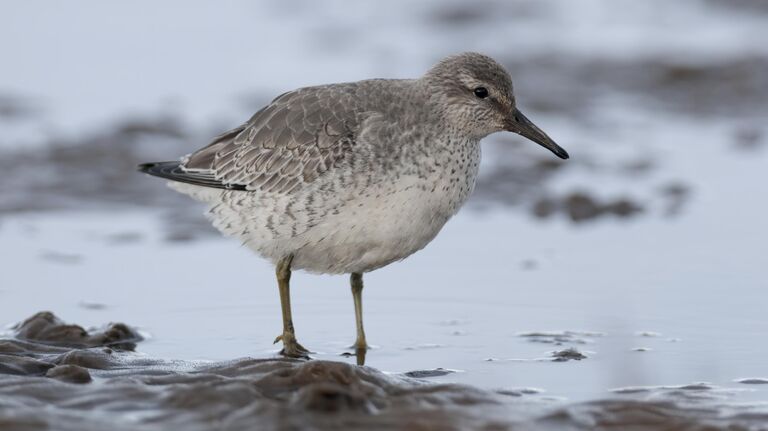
<point>569,354</point>
<point>13,107</point>
<point>748,138</point>
<point>44,327</point>
<point>62,377</point>
<point>580,207</point>
<point>559,338</point>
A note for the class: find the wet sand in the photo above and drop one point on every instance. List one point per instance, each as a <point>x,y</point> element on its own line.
<point>55,375</point>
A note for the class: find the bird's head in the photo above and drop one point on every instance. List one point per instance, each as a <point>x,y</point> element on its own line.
<point>475,95</point>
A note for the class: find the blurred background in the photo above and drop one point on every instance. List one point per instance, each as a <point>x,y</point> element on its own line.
<point>646,251</point>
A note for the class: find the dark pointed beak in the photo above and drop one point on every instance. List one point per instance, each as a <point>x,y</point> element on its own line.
<point>520,124</point>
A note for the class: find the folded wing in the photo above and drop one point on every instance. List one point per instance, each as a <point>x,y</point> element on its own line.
<point>294,140</point>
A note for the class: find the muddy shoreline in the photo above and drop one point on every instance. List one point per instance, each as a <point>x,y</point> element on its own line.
<point>60,376</point>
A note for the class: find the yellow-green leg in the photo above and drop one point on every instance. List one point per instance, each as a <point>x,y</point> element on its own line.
<point>360,346</point>
<point>291,347</point>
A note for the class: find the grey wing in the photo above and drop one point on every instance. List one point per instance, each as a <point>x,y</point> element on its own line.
<point>293,141</point>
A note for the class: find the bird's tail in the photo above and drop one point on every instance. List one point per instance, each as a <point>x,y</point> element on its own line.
<point>175,171</point>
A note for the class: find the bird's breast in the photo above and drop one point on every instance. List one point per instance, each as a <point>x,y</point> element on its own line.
<point>413,208</point>
<point>390,220</point>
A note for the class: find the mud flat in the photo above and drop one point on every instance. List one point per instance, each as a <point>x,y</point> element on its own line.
<point>59,376</point>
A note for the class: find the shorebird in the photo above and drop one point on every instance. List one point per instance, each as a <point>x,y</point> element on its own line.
<point>347,178</point>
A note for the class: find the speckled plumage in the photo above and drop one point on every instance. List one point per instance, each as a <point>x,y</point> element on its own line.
<point>351,177</point>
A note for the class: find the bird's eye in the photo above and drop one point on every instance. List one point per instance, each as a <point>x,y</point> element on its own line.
<point>481,92</point>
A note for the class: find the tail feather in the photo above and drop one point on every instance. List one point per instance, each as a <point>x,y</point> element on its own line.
<point>174,171</point>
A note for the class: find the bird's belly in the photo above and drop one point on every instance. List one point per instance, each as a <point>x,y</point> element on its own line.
<point>373,231</point>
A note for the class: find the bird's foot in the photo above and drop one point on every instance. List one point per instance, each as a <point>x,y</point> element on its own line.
<point>291,347</point>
